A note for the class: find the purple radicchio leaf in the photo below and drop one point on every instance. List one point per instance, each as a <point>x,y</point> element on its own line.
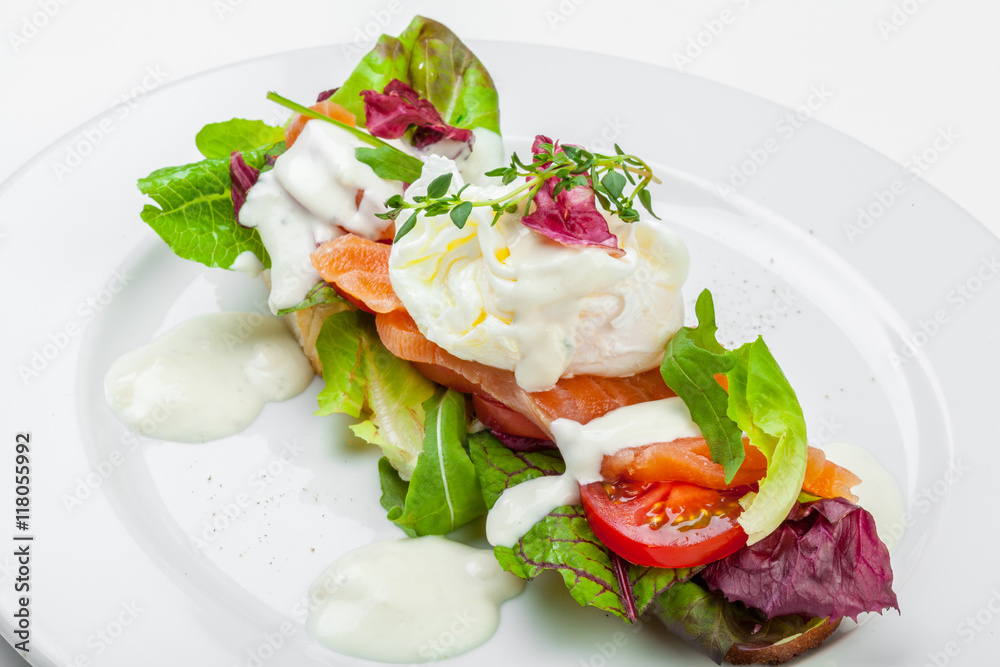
<point>521,443</point>
<point>326,94</point>
<point>390,113</point>
<point>825,560</point>
<point>242,176</point>
<point>571,217</point>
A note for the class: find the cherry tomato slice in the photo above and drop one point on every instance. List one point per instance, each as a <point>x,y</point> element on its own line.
<point>665,524</point>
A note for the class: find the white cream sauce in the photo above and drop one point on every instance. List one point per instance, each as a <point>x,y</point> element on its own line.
<point>583,447</point>
<point>311,196</point>
<point>207,378</point>
<point>247,262</point>
<point>410,600</point>
<point>878,491</point>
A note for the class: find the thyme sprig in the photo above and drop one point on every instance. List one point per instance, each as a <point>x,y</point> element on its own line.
<point>608,175</point>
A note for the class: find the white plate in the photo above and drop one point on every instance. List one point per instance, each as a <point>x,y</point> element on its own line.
<point>117,578</point>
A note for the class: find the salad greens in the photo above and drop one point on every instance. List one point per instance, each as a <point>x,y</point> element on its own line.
<point>760,402</point>
<point>194,212</point>
<point>825,560</point>
<point>221,139</point>
<point>365,380</point>
<point>563,541</point>
<point>713,625</point>
<point>432,60</point>
<point>443,493</point>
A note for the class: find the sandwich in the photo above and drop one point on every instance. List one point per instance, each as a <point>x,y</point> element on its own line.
<point>537,301</point>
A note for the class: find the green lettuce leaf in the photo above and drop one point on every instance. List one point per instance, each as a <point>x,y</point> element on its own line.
<point>195,211</point>
<point>711,624</point>
<point>221,139</point>
<point>760,402</point>
<point>443,494</point>
<point>763,404</point>
<point>363,379</point>
<point>435,63</point>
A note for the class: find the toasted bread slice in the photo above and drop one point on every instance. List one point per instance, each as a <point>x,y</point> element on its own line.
<point>779,653</point>
<point>306,323</point>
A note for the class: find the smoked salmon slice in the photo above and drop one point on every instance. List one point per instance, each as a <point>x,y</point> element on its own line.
<point>359,269</point>
<point>327,108</point>
<point>689,460</point>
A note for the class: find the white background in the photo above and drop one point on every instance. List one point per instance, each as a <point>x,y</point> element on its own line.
<point>900,73</point>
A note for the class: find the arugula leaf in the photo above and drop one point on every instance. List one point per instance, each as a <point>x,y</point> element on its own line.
<point>437,65</point>
<point>363,379</point>
<point>711,624</point>
<point>321,293</point>
<point>499,467</point>
<point>564,542</point>
<point>443,493</point>
<point>692,358</point>
<point>760,402</point>
<point>221,139</point>
<point>393,488</point>
<point>390,163</point>
<point>195,211</point>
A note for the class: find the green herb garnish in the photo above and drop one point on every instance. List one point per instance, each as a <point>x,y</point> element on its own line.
<point>572,166</point>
